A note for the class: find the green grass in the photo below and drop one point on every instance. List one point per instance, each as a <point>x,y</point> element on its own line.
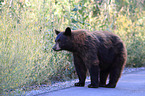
<point>27,36</point>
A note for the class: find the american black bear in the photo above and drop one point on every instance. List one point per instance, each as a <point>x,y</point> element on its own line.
<point>102,53</point>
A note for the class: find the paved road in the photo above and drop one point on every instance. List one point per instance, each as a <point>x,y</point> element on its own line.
<point>132,84</point>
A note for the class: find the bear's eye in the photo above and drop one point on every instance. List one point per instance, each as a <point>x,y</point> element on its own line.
<point>58,40</point>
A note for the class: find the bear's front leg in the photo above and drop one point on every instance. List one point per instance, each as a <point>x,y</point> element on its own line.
<point>81,70</point>
<point>94,74</point>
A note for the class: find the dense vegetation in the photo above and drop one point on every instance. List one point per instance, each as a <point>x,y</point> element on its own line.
<point>27,36</point>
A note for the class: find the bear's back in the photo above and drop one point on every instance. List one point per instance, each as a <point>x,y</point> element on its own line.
<point>98,36</point>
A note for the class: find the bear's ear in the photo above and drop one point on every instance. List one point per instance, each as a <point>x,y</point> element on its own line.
<point>67,31</point>
<point>57,32</point>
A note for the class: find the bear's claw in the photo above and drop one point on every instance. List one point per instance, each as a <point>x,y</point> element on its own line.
<point>80,84</point>
<point>92,86</point>
<point>110,86</point>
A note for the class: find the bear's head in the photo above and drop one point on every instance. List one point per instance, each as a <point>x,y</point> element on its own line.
<point>63,40</point>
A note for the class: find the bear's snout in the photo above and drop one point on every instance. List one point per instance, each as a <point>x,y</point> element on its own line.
<point>56,47</point>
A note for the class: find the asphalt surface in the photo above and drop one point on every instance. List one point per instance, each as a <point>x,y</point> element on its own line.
<point>131,84</point>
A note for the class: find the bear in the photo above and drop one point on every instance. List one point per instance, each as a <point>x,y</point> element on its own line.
<point>102,53</point>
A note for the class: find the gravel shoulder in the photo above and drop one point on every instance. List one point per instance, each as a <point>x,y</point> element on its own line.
<point>67,84</point>
<point>131,84</point>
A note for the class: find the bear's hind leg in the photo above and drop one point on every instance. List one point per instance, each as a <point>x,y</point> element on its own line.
<point>94,74</point>
<point>116,71</point>
<point>103,78</point>
<point>113,78</point>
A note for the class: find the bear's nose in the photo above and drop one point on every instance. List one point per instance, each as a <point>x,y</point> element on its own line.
<point>54,48</point>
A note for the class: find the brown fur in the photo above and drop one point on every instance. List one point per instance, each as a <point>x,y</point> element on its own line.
<point>102,53</point>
